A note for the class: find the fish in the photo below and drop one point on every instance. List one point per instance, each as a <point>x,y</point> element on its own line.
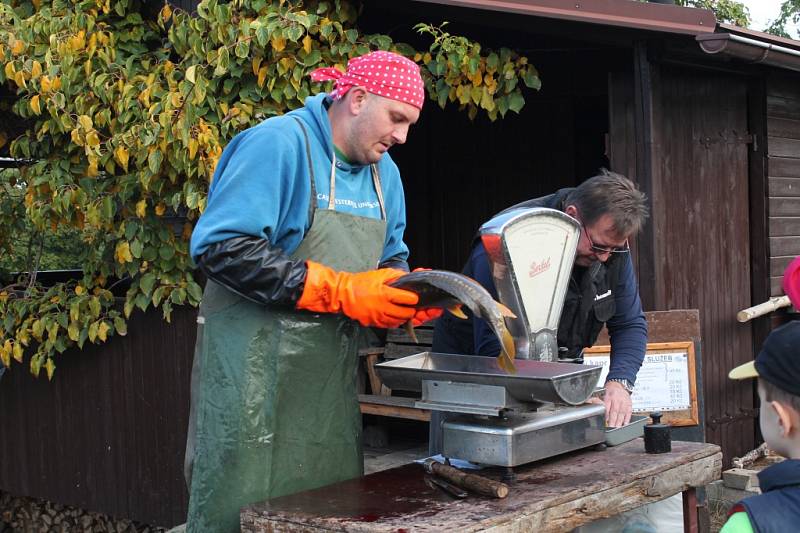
<point>451,290</point>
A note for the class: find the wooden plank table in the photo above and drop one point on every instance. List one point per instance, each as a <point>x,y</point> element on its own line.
<point>557,494</point>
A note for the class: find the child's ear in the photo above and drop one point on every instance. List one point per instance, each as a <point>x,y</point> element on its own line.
<point>787,417</point>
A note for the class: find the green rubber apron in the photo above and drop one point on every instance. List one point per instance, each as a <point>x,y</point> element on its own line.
<point>274,405</point>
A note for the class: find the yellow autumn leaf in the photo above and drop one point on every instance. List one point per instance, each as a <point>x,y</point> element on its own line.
<point>85,121</point>
<point>477,79</point>
<point>121,155</point>
<point>262,76</point>
<point>35,104</point>
<point>92,139</point>
<point>256,65</point>
<point>166,12</point>
<point>17,47</point>
<point>44,83</point>
<point>191,74</point>
<point>50,366</point>
<point>79,290</point>
<point>9,70</point>
<point>193,145</point>
<point>17,351</point>
<point>56,83</point>
<point>102,331</point>
<point>144,97</point>
<point>79,41</point>
<point>5,355</point>
<point>123,253</point>
<point>19,78</point>
<point>161,208</point>
<point>307,43</point>
<point>278,43</point>
<point>141,208</point>
<point>36,69</point>
<point>91,169</point>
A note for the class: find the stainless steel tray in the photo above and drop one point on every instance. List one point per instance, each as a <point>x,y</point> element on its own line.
<point>535,381</point>
<point>634,429</point>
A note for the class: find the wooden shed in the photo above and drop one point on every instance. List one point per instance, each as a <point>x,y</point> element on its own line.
<point>704,116</point>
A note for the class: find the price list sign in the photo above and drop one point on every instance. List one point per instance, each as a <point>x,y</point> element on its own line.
<point>665,382</point>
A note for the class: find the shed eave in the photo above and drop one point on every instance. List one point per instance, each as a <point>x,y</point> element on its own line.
<point>750,50</point>
<point>620,13</point>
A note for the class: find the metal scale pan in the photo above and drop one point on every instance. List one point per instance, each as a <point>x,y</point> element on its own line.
<point>535,381</point>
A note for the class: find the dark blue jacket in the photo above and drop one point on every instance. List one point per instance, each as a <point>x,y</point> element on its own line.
<point>626,323</point>
<point>777,509</point>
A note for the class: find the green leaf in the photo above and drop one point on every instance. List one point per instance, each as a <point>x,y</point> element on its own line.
<point>95,307</point>
<point>154,161</point>
<point>195,291</point>
<point>74,331</point>
<point>158,295</point>
<point>516,101</point>
<point>531,79</point>
<point>131,228</point>
<point>166,252</point>
<point>142,301</point>
<point>121,326</point>
<point>147,283</point>
<point>242,49</point>
<point>127,309</point>
<point>492,61</point>
<point>136,248</point>
<point>262,36</point>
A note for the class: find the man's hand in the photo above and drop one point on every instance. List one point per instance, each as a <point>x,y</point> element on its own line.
<point>618,405</point>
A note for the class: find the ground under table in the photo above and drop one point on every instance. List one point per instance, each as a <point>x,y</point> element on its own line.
<point>557,494</point>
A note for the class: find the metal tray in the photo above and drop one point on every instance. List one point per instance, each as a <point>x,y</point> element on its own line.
<point>634,429</point>
<point>535,381</point>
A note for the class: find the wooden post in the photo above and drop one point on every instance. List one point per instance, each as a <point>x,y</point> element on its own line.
<point>690,510</point>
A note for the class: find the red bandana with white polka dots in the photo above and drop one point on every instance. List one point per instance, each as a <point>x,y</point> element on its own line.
<point>384,73</point>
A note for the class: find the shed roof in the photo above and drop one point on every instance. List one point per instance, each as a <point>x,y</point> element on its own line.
<point>722,40</point>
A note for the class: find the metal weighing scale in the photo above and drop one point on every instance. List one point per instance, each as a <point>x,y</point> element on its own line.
<point>511,419</point>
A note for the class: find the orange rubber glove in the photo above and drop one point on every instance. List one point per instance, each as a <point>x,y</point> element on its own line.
<point>362,296</point>
<point>426,315</point>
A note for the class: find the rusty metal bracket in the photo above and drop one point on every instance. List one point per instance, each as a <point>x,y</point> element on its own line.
<point>724,137</point>
<point>744,414</point>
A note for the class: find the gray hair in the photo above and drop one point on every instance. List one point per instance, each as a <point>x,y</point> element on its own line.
<point>613,194</point>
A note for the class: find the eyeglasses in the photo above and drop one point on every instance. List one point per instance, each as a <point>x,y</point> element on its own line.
<point>624,249</point>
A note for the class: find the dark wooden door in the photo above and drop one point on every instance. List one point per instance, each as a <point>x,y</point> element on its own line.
<point>683,134</point>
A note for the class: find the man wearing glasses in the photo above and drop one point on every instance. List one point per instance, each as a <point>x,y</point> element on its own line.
<point>602,290</point>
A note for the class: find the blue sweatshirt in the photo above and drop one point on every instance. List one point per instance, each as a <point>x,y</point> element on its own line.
<point>261,186</point>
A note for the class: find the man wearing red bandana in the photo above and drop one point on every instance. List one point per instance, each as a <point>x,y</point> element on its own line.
<point>301,234</point>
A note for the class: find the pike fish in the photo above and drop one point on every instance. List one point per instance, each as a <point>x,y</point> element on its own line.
<point>451,290</point>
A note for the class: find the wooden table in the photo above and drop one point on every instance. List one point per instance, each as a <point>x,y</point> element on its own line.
<point>557,494</point>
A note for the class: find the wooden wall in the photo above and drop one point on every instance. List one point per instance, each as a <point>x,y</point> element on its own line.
<point>783,170</point>
<point>685,132</point>
<point>108,433</point>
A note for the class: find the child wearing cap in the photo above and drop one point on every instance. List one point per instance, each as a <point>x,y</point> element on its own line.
<point>777,368</point>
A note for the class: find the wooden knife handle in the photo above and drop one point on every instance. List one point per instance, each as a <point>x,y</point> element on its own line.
<point>472,482</point>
